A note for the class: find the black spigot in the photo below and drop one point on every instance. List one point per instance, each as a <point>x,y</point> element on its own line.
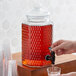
<point>51,57</point>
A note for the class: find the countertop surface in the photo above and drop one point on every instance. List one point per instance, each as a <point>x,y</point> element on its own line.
<point>59,59</point>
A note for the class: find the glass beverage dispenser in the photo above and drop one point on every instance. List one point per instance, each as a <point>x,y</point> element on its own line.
<point>36,37</point>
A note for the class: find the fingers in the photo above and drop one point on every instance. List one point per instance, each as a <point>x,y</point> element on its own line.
<point>62,47</point>
<point>60,52</point>
<point>65,75</point>
<point>69,74</point>
<point>57,43</point>
<point>57,48</point>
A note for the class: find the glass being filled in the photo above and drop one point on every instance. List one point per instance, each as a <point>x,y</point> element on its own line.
<point>54,71</point>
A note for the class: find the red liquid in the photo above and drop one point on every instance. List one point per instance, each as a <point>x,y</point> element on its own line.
<point>35,43</point>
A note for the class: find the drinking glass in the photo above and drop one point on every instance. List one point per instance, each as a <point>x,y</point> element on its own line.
<point>54,71</point>
<point>12,68</point>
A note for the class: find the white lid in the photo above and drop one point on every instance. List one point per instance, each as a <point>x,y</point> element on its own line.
<point>38,14</point>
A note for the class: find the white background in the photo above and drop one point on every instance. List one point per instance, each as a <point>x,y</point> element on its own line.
<point>12,14</point>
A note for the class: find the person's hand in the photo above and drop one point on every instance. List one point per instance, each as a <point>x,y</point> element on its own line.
<point>69,74</point>
<point>64,47</point>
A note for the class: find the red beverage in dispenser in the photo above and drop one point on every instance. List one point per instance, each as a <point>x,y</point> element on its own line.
<point>35,43</point>
<point>36,38</point>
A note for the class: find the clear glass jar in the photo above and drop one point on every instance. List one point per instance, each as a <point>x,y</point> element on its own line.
<point>36,38</point>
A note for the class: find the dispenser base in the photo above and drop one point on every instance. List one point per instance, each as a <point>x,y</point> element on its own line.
<point>66,67</point>
<point>31,71</point>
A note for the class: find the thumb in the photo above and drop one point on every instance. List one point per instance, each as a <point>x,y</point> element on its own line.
<point>57,48</point>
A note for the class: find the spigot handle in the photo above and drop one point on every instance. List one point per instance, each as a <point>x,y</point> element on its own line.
<point>51,57</point>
